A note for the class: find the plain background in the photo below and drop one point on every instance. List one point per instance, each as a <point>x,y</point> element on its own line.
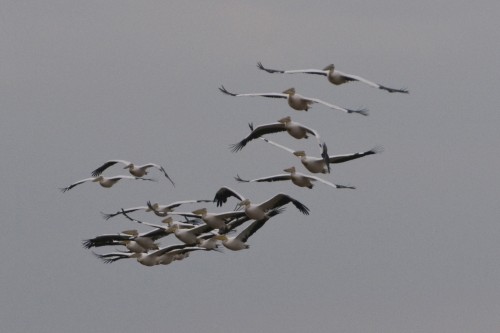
<point>413,249</point>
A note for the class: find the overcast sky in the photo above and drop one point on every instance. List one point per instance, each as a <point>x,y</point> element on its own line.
<point>413,249</point>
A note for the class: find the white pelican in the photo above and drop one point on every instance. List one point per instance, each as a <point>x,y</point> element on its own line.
<point>135,170</point>
<point>161,256</point>
<point>296,101</point>
<point>334,76</point>
<point>157,209</point>
<point>239,242</point>
<point>258,211</point>
<point>297,178</point>
<point>129,239</point>
<point>106,182</point>
<point>318,164</point>
<point>214,220</point>
<point>296,130</point>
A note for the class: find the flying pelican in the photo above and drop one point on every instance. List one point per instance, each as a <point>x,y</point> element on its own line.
<point>296,130</point>
<point>135,170</point>
<point>161,256</point>
<point>297,178</point>
<point>134,241</point>
<point>334,76</point>
<point>296,101</point>
<point>106,182</point>
<point>157,209</point>
<point>258,211</point>
<point>318,164</point>
<point>214,220</point>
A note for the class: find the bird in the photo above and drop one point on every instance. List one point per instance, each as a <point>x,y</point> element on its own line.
<point>319,164</point>
<point>162,256</point>
<point>334,76</point>
<point>106,182</point>
<point>157,209</point>
<point>296,101</point>
<point>214,220</point>
<point>135,170</point>
<point>297,178</point>
<point>131,239</point>
<point>258,211</point>
<point>295,129</point>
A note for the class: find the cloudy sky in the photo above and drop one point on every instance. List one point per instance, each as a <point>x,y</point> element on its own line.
<point>413,249</point>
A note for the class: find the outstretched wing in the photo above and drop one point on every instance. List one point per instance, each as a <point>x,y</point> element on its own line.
<point>363,112</point>
<point>272,94</point>
<point>351,77</point>
<point>224,193</point>
<point>65,189</point>
<point>106,165</point>
<point>349,157</point>
<point>294,71</point>
<point>282,199</point>
<point>258,132</point>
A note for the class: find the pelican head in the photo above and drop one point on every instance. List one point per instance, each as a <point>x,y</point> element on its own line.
<point>245,203</point>
<point>168,221</point>
<point>132,232</point>
<point>330,67</point>
<point>299,153</point>
<point>129,166</point>
<point>289,91</point>
<point>291,169</point>
<point>173,228</point>
<point>285,120</point>
<point>153,207</point>
<point>201,211</point>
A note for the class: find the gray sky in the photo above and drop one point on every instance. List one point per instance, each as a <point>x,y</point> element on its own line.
<point>413,249</point>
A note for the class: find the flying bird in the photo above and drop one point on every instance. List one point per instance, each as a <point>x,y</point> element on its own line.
<point>297,178</point>
<point>258,211</point>
<point>334,76</point>
<point>214,220</point>
<point>295,129</point>
<point>106,182</point>
<point>162,256</point>
<point>146,240</point>
<point>296,101</point>
<point>318,164</point>
<point>239,242</point>
<point>157,209</point>
<point>135,170</point>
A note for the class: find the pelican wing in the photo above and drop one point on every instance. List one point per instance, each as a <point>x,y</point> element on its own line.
<point>311,177</point>
<point>178,203</point>
<point>106,165</point>
<point>351,77</point>
<point>363,112</point>
<point>128,210</point>
<point>109,258</point>
<point>274,178</point>
<point>282,199</point>
<point>251,229</point>
<point>271,94</point>
<point>105,240</point>
<point>167,249</point>
<point>224,193</point>
<point>349,157</point>
<point>162,169</point>
<point>278,145</point>
<point>65,189</point>
<point>258,132</point>
<point>294,71</point>
<point>230,215</point>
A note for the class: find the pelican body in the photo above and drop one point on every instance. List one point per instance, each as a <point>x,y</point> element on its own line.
<point>135,170</point>
<point>296,101</point>
<point>105,182</point>
<point>334,76</point>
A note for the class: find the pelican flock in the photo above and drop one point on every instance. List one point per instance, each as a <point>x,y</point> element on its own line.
<point>205,229</point>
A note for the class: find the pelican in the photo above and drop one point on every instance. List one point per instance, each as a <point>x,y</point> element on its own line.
<point>134,241</point>
<point>296,130</point>
<point>319,164</point>
<point>214,220</point>
<point>106,182</point>
<point>297,178</point>
<point>296,101</point>
<point>157,209</point>
<point>161,256</point>
<point>135,170</point>
<point>258,211</point>
<point>334,76</point>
